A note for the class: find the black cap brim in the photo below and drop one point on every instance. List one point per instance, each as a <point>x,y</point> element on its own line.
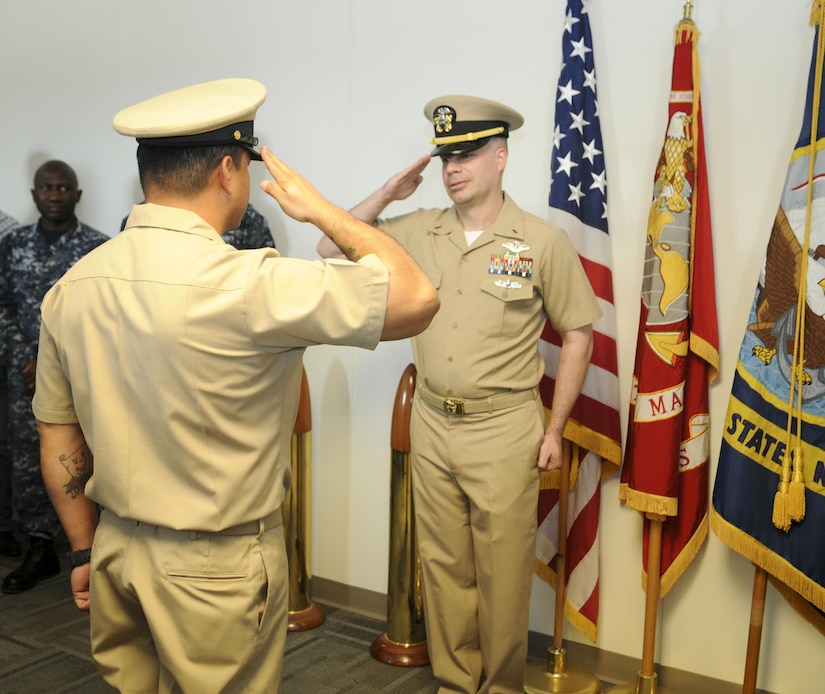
<point>459,147</point>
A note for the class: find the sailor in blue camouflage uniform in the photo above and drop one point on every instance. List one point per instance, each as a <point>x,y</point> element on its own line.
<point>252,233</point>
<point>9,546</point>
<point>32,259</point>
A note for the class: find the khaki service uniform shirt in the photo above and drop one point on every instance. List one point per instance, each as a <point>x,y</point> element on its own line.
<point>180,357</point>
<point>484,339</point>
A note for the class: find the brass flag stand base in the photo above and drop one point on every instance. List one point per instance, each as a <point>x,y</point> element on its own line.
<point>405,641</point>
<point>645,684</point>
<point>303,614</point>
<point>558,676</point>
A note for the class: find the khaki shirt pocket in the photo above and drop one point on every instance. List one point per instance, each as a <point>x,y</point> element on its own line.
<point>505,305</point>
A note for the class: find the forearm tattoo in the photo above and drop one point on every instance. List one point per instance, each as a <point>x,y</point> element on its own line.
<point>79,466</point>
<point>352,254</point>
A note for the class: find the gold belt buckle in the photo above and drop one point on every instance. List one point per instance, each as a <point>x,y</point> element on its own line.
<point>453,406</point>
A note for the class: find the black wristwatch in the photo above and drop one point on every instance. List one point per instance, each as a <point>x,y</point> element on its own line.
<point>79,557</point>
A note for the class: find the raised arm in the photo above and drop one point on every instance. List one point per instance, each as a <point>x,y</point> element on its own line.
<point>398,187</point>
<point>66,464</point>
<point>412,300</point>
<point>576,348</point>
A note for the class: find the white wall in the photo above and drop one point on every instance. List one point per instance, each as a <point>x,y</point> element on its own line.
<point>347,81</point>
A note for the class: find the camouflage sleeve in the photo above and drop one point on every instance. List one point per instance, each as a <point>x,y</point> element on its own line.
<point>7,223</point>
<point>10,333</point>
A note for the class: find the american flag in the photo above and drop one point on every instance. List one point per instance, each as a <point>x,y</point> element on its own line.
<point>578,204</point>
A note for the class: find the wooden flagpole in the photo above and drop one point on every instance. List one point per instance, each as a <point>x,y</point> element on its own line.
<point>646,679</point>
<point>554,674</point>
<point>760,585</point>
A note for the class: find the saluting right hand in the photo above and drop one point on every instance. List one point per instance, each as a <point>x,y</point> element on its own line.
<point>406,182</point>
<point>296,195</point>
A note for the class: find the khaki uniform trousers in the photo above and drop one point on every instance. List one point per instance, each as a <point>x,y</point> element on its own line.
<point>192,612</point>
<point>475,489</point>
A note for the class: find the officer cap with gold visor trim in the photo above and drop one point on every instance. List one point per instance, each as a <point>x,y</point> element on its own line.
<point>220,112</point>
<point>464,123</point>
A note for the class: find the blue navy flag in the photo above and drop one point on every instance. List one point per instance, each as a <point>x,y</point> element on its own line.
<point>769,496</point>
<point>578,204</point>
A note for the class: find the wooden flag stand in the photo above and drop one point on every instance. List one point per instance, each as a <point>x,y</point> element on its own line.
<point>555,675</point>
<point>760,586</point>
<point>405,640</point>
<point>646,679</point>
<point>303,613</point>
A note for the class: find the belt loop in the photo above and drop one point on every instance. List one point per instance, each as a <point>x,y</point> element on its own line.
<point>193,534</point>
<point>490,405</point>
<point>261,528</point>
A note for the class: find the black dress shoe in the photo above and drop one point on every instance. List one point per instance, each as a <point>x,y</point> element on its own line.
<point>9,546</point>
<point>40,562</point>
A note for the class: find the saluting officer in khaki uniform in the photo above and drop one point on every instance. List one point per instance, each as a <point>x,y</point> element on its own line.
<point>478,434</point>
<point>167,389</point>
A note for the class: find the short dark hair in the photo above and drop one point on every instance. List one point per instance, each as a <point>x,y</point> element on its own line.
<point>182,170</point>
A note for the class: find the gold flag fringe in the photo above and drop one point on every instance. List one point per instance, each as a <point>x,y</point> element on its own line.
<point>581,437</point>
<point>748,546</point>
<point>815,12</point>
<point>648,503</point>
<point>551,479</point>
<point>803,607</point>
<point>690,30</point>
<point>607,449</point>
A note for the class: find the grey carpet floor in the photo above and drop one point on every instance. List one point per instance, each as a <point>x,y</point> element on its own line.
<point>44,649</point>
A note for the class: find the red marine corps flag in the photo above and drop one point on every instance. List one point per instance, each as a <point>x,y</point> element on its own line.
<point>665,469</point>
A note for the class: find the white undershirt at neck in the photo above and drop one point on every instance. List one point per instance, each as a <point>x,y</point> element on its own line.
<point>471,236</point>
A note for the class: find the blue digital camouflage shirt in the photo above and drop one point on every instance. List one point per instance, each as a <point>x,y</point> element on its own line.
<point>29,266</point>
<point>252,233</point>
<point>6,223</point>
